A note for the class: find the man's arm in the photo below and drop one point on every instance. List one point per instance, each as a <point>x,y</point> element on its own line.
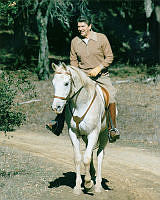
<point>108,57</point>
<point>73,56</point>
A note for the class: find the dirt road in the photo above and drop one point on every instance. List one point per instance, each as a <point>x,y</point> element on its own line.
<point>129,173</point>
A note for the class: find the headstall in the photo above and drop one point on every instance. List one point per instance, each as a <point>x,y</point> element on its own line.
<point>62,98</point>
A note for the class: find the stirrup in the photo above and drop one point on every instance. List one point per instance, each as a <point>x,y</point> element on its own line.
<point>113,138</point>
<point>51,124</point>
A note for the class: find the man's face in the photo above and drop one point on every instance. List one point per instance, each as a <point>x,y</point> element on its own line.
<point>84,29</point>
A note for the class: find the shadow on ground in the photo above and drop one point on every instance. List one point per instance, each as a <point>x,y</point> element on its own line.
<point>69,180</point>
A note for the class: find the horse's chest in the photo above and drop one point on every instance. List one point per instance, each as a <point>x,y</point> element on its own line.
<point>79,126</point>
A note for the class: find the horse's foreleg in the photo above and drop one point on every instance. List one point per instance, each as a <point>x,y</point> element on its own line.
<point>92,139</point>
<point>98,186</point>
<point>77,160</point>
<point>92,169</point>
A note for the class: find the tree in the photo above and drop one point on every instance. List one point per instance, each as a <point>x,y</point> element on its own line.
<point>43,11</point>
<point>60,10</point>
<point>152,10</point>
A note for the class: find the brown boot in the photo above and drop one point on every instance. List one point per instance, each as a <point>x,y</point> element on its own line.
<point>113,131</point>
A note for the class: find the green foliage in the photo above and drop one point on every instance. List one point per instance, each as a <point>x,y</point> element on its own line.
<point>8,9</point>
<point>10,116</point>
<point>153,70</point>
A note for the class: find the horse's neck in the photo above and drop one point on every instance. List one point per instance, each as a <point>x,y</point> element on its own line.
<point>82,100</point>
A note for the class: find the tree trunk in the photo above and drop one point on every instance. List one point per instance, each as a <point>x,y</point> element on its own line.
<point>42,21</point>
<point>148,10</point>
<point>19,29</point>
<point>153,27</point>
<point>157,13</point>
<point>43,61</point>
<point>155,33</point>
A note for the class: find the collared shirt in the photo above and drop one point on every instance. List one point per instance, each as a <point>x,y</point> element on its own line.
<point>96,52</point>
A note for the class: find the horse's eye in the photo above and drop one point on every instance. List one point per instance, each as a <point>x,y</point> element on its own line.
<point>66,84</point>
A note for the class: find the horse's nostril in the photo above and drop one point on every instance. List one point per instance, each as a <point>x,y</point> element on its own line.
<point>58,107</point>
<point>53,108</point>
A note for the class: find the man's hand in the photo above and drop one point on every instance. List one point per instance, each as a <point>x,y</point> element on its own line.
<point>94,72</point>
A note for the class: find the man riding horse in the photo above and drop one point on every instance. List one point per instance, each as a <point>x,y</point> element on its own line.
<point>91,52</point>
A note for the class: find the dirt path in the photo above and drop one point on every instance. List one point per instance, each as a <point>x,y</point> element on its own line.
<point>130,173</point>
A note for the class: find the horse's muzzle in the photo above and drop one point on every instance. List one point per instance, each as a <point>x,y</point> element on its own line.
<point>57,109</point>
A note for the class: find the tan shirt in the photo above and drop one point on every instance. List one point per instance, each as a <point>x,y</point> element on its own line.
<point>97,52</point>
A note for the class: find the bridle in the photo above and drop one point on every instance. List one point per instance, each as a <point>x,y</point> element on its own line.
<point>68,96</point>
<point>63,98</point>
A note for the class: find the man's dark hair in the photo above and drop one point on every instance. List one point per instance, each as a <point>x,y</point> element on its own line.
<point>85,19</point>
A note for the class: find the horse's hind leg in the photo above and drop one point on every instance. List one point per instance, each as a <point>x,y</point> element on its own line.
<point>77,160</point>
<point>98,186</point>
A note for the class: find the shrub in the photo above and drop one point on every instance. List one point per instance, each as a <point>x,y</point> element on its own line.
<point>10,117</point>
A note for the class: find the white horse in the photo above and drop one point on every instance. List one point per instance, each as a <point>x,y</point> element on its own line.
<point>86,118</point>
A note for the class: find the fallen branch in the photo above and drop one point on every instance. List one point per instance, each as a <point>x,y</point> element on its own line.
<point>60,58</point>
<point>123,81</point>
<point>34,100</point>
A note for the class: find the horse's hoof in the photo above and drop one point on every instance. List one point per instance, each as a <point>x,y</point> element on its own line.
<point>89,187</point>
<point>98,189</point>
<point>77,191</point>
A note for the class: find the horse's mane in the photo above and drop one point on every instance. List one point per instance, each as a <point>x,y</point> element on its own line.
<point>87,82</point>
<point>79,78</point>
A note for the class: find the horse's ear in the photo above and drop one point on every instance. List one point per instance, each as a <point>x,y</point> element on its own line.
<point>54,66</point>
<point>64,65</point>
